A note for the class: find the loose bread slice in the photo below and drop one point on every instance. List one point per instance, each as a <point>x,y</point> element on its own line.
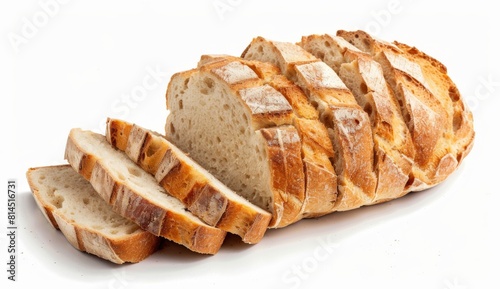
<point>317,149</point>
<point>204,195</point>
<point>71,205</point>
<point>393,146</point>
<point>440,123</point>
<point>241,131</point>
<point>348,125</point>
<point>135,194</point>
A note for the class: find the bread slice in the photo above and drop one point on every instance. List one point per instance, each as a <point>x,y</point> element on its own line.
<point>71,205</point>
<point>135,194</point>
<point>204,195</point>
<point>317,149</point>
<point>440,123</point>
<point>393,145</point>
<point>242,132</point>
<point>348,125</point>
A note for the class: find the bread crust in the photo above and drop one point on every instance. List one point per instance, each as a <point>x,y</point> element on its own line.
<point>349,127</point>
<point>183,180</point>
<point>393,147</point>
<point>153,216</point>
<point>133,248</point>
<point>287,175</point>
<point>439,121</point>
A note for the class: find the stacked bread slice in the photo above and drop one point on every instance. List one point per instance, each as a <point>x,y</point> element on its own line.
<point>70,204</point>
<point>283,132</point>
<point>201,193</point>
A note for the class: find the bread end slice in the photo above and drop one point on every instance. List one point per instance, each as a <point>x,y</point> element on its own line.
<point>71,205</point>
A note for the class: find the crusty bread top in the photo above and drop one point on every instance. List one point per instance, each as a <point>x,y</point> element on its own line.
<point>393,146</point>
<point>348,124</point>
<point>436,115</point>
<point>267,106</point>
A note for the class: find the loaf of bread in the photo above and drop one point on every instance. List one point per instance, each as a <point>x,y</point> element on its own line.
<point>282,132</point>
<point>71,205</point>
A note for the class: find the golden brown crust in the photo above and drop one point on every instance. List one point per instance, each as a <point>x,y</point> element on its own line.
<point>116,134</point>
<point>393,146</point>
<point>287,175</point>
<point>267,106</point>
<point>346,121</point>
<point>201,196</point>
<point>148,214</point>
<point>447,92</point>
<point>81,162</point>
<point>440,123</point>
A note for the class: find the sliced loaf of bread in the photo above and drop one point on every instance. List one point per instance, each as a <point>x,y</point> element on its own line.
<point>393,145</point>
<point>317,149</point>
<point>70,204</point>
<point>136,195</point>
<point>241,130</point>
<point>204,195</point>
<point>348,125</point>
<point>440,123</point>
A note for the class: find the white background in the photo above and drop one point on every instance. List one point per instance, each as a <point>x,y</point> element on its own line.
<point>68,64</point>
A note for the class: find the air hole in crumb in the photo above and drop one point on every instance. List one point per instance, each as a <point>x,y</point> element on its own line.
<point>86,201</point>
<point>226,106</point>
<point>209,82</point>
<point>181,106</point>
<point>58,201</point>
<point>134,171</point>
<point>327,44</point>
<point>172,128</point>
<point>260,49</point>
